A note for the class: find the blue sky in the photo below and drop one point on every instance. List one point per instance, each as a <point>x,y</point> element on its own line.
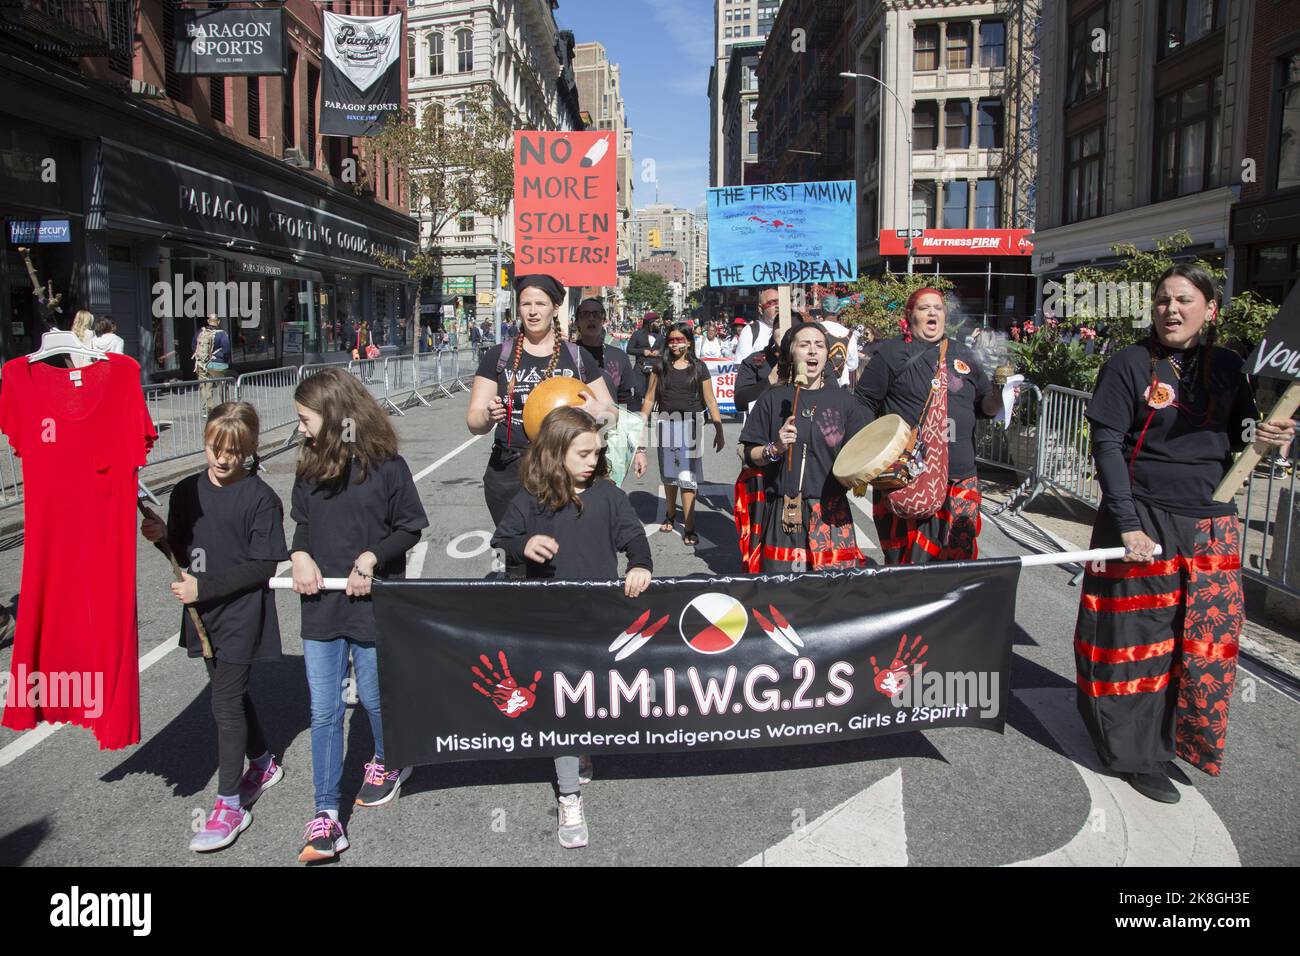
<point>665,49</point>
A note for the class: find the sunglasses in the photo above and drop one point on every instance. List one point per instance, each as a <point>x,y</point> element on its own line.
<point>677,341</point>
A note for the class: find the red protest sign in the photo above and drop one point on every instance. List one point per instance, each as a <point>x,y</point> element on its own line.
<point>566,199</point>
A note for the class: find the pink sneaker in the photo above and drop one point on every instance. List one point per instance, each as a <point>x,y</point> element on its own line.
<point>380,785</point>
<point>254,781</point>
<point>222,829</point>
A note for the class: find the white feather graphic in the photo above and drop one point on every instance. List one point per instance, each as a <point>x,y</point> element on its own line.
<point>596,153</point>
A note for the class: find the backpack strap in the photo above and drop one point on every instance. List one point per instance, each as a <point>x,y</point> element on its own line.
<point>507,348</point>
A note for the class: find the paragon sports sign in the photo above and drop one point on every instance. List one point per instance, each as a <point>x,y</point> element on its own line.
<point>478,669</point>
<point>957,242</point>
<point>229,42</point>
<point>361,85</point>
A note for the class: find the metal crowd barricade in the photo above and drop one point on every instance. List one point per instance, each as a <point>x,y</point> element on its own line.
<point>1014,448</point>
<point>179,411</point>
<point>1267,509</point>
<point>459,375</point>
<point>401,373</point>
<point>447,370</point>
<point>429,374</point>
<point>372,373</point>
<point>271,393</point>
<point>1064,451</point>
<point>11,476</point>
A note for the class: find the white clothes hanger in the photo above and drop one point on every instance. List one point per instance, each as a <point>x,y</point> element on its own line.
<point>59,342</point>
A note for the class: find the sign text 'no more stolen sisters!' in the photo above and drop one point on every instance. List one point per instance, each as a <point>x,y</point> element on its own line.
<point>566,206</point>
<point>783,234</point>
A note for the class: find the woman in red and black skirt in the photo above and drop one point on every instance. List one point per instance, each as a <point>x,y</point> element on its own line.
<point>794,436</point>
<point>1156,641</point>
<point>898,381</point>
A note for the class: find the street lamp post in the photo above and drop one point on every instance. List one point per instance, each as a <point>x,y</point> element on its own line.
<point>907,128</point>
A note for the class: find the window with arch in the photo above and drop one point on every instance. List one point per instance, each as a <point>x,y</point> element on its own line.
<point>436,64</point>
<point>464,51</point>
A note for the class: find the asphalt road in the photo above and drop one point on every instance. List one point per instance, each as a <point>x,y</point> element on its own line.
<point>939,798</point>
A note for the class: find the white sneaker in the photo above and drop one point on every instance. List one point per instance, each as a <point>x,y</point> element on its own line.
<point>572,830</point>
<point>584,770</point>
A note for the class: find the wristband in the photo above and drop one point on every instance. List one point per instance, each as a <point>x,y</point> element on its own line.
<point>769,452</point>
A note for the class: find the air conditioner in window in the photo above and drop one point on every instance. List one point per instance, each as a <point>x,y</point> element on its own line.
<point>295,157</point>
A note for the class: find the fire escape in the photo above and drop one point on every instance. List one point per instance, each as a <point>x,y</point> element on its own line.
<point>1018,170</point>
<point>71,28</point>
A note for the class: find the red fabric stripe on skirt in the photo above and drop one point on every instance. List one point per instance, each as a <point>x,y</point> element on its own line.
<point>819,558</point>
<point>1214,562</point>
<point>1139,602</point>
<point>1143,685</point>
<point>1123,655</point>
<point>915,537</point>
<point>1212,650</point>
<point>1120,570</point>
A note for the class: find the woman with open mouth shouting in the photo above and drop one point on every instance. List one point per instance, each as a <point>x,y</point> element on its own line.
<point>1156,642</point>
<point>931,380</point>
<point>801,521</point>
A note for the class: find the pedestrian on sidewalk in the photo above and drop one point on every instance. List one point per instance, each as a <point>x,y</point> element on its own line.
<point>569,522</point>
<point>1156,639</point>
<point>106,338</point>
<point>212,357</point>
<point>226,526</point>
<point>357,512</point>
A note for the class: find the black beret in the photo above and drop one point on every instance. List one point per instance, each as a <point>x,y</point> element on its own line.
<point>548,284</point>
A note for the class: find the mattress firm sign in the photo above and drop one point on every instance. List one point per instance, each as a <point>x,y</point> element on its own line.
<point>157,193</point>
<point>230,42</point>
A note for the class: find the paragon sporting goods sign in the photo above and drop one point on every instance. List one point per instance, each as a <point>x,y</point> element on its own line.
<point>229,42</point>
<point>361,86</point>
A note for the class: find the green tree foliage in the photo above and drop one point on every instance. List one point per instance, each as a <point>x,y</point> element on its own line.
<point>647,291</point>
<point>882,300</point>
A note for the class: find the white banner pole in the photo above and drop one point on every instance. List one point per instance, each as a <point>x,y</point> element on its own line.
<point>1026,560</point>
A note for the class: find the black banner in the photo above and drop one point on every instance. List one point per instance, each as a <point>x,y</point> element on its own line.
<point>229,42</point>
<point>472,670</point>
<point>361,86</point>
<point>1278,353</point>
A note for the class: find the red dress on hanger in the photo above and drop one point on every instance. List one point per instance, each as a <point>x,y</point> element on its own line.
<point>76,651</point>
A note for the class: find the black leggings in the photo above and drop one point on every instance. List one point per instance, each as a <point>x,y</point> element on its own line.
<point>500,486</point>
<point>239,735</point>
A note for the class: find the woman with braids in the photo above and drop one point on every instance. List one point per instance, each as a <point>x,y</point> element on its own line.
<point>802,520</point>
<point>509,372</point>
<point>909,376</point>
<point>1156,640</point>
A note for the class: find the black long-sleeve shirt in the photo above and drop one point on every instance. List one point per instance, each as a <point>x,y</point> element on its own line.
<point>381,514</point>
<point>589,540</point>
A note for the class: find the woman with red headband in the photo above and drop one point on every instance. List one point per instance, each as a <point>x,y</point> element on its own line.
<point>916,376</point>
<point>1156,642</point>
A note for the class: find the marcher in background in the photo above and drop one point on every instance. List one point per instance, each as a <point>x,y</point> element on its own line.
<point>357,513</point>
<point>569,523</point>
<point>906,378</point>
<point>711,346</point>
<point>616,369</point>
<point>680,390</point>
<point>1157,635</point>
<point>106,338</point>
<point>645,348</point>
<point>755,336</point>
<point>231,519</point>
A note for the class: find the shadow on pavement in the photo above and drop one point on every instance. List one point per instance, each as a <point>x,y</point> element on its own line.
<point>17,845</point>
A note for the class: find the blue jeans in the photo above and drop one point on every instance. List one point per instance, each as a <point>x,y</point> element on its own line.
<point>327,669</point>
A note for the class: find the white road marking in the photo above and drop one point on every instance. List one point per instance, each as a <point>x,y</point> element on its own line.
<point>454,549</point>
<point>867,829</point>
<point>445,458</point>
<point>1123,827</point>
<point>415,559</point>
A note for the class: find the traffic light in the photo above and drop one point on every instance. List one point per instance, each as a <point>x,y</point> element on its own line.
<point>505,279</point>
<point>656,239</point>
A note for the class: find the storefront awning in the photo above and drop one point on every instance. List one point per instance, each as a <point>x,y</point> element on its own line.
<point>245,264</point>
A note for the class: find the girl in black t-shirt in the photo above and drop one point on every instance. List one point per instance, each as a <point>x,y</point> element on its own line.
<point>569,522</point>
<point>227,526</point>
<point>1156,640</point>
<point>680,389</point>
<point>508,373</point>
<point>795,447</point>
<point>358,513</point>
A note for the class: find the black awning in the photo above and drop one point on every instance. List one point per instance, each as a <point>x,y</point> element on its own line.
<point>246,264</point>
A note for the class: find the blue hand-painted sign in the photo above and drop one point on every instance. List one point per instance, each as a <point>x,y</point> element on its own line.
<point>783,234</point>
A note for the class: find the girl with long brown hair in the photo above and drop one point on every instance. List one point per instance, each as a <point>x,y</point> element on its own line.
<point>569,523</point>
<point>506,377</point>
<point>226,526</point>
<point>358,513</point>
<point>1156,641</point>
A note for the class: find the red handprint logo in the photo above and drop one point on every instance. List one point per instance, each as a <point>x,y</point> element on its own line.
<point>511,699</point>
<point>892,679</point>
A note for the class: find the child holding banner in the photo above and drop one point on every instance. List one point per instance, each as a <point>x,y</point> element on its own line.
<point>227,526</point>
<point>569,523</point>
<point>358,513</point>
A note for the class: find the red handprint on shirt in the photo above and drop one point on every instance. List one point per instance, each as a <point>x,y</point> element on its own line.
<point>511,699</point>
<point>892,679</point>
